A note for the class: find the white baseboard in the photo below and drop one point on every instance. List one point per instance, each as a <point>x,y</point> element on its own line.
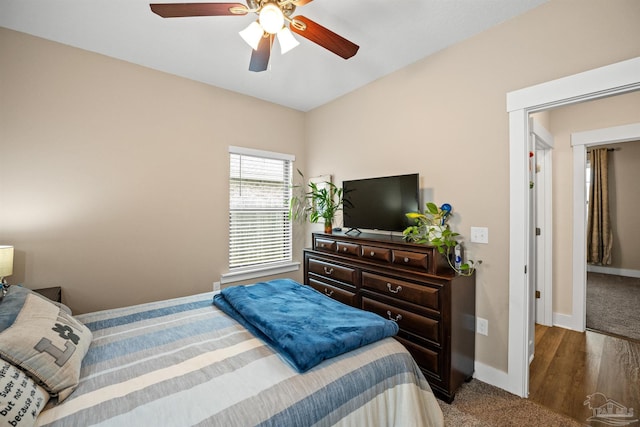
<point>565,321</point>
<point>492,376</point>
<point>627,272</point>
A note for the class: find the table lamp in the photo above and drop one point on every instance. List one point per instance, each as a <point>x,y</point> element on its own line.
<point>6,265</point>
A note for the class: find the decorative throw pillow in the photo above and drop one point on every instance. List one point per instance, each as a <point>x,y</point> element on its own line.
<point>43,340</point>
<point>21,399</point>
<point>11,307</point>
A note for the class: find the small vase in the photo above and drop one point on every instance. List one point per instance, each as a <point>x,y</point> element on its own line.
<point>328,226</point>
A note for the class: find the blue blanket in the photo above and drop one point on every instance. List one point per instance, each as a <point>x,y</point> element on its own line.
<point>303,325</point>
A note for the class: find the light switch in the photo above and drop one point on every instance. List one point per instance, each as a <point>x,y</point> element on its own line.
<point>482,326</point>
<point>479,235</point>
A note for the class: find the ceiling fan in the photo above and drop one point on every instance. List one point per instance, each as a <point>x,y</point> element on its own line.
<point>273,17</point>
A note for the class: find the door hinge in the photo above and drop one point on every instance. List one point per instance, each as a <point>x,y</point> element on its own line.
<point>537,294</point>
<point>538,232</point>
<point>525,269</point>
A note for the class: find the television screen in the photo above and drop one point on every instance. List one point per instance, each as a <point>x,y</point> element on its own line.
<point>380,203</point>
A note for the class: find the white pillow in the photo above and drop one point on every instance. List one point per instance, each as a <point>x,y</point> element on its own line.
<point>43,340</point>
<point>21,399</point>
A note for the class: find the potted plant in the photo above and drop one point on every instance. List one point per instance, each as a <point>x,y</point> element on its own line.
<point>432,228</point>
<point>321,200</point>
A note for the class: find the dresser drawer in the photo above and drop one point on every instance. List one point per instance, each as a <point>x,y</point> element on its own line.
<point>325,245</point>
<point>425,357</point>
<point>418,294</point>
<point>334,292</point>
<point>411,259</point>
<point>413,323</point>
<point>348,248</point>
<point>379,254</point>
<point>333,271</point>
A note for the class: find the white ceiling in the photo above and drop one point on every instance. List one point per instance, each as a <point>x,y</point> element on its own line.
<point>391,34</point>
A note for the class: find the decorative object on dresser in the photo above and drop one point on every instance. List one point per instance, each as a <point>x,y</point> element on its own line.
<point>431,228</point>
<point>411,284</point>
<point>321,202</point>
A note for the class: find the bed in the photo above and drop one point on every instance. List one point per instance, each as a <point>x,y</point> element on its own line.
<point>184,362</point>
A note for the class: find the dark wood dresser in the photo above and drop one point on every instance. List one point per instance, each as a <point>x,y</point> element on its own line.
<point>411,284</point>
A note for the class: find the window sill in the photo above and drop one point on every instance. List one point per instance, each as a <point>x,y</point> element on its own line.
<point>254,273</point>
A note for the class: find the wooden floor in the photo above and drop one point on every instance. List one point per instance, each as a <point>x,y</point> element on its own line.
<point>568,366</point>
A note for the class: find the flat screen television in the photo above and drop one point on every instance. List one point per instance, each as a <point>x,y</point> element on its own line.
<point>380,203</point>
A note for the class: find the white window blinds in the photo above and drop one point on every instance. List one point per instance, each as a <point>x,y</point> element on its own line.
<point>259,193</point>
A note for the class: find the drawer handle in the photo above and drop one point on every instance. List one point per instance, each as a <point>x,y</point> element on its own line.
<point>372,253</point>
<point>406,259</point>
<point>394,291</point>
<point>328,292</point>
<point>397,319</point>
<point>322,245</point>
<point>328,271</point>
<point>344,249</point>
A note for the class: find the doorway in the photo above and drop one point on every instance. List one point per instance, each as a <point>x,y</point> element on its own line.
<point>622,77</point>
<point>580,142</point>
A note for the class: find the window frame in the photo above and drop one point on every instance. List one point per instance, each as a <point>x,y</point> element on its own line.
<point>242,273</point>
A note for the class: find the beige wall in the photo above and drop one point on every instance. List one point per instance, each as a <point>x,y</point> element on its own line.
<point>114,176</point>
<point>603,113</point>
<point>445,117</point>
<point>625,201</point>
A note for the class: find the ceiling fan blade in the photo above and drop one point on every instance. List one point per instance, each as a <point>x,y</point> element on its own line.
<point>260,57</point>
<point>180,10</point>
<point>301,2</point>
<point>325,37</point>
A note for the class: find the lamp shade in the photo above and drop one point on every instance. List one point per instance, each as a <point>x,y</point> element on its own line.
<point>252,35</point>
<point>6,261</point>
<point>286,40</point>
<point>271,18</point>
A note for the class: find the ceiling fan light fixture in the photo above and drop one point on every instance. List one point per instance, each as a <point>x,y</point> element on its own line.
<point>286,40</point>
<point>252,34</point>
<point>271,18</point>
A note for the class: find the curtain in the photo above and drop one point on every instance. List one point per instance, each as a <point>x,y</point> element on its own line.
<point>599,235</point>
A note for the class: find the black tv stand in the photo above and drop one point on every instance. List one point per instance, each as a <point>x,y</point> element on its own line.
<point>353,229</point>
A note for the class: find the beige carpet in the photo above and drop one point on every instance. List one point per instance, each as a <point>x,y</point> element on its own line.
<point>612,304</point>
<point>478,404</point>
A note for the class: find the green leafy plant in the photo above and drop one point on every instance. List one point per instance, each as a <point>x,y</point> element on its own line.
<point>315,201</point>
<point>431,228</point>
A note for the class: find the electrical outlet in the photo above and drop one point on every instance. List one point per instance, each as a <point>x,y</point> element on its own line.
<point>482,326</point>
<point>479,235</point>
<point>216,286</point>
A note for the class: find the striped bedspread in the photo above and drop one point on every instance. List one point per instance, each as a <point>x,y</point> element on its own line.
<point>183,362</point>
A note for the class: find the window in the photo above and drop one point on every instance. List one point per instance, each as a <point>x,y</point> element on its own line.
<point>259,193</point>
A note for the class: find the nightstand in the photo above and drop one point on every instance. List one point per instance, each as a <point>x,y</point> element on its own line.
<point>53,293</point>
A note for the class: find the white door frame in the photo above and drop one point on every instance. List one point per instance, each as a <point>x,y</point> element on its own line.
<point>580,141</point>
<point>618,78</point>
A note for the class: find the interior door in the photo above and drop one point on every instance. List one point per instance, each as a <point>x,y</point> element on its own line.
<point>539,239</point>
<point>543,189</point>
<point>531,270</point>
<point>540,234</point>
